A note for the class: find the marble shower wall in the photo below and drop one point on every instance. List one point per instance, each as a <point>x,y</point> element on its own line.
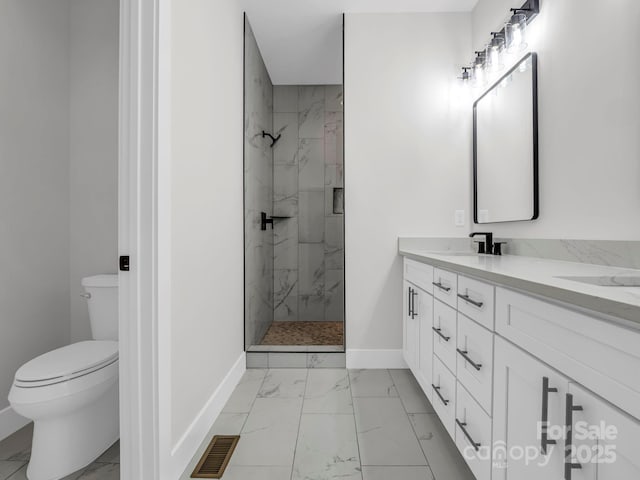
<point>258,192</point>
<point>308,174</point>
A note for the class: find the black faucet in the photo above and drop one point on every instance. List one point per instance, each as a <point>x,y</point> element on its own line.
<point>487,245</point>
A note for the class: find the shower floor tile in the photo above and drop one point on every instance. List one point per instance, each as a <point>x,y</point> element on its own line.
<point>304,333</point>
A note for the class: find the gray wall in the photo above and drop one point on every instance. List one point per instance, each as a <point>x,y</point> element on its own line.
<point>58,188</point>
<point>309,246</point>
<point>34,185</point>
<point>258,192</point>
<point>206,202</point>
<point>93,149</point>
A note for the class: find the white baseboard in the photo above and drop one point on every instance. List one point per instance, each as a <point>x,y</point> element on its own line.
<point>375,359</point>
<point>186,447</point>
<point>10,422</point>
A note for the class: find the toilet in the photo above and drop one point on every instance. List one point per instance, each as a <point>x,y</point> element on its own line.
<point>71,393</point>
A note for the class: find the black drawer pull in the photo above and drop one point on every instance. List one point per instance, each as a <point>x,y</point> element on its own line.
<point>569,465</point>
<point>467,299</point>
<point>465,355</point>
<point>466,434</point>
<point>441,286</point>
<point>544,422</point>
<point>442,335</point>
<point>437,389</point>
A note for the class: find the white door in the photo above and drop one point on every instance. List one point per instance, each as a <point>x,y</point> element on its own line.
<point>425,318</point>
<point>522,384</point>
<point>605,442</point>
<point>411,326</point>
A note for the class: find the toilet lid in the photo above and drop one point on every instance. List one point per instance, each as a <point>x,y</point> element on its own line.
<point>68,362</point>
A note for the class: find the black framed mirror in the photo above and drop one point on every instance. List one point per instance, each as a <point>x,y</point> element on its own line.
<point>505,147</point>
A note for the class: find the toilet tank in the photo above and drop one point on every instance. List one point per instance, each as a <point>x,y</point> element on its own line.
<point>101,292</point>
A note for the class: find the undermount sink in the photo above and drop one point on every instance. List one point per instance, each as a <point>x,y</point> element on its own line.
<point>607,281</point>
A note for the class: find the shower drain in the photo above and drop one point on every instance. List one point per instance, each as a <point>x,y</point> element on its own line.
<point>216,457</point>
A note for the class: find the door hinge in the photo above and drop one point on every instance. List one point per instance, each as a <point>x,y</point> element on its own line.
<point>124,263</point>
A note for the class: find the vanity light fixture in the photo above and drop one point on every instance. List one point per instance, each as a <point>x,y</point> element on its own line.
<point>511,39</point>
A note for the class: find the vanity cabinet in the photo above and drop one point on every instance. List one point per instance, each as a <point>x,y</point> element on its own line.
<point>509,374</point>
<point>418,323</point>
<point>528,394</point>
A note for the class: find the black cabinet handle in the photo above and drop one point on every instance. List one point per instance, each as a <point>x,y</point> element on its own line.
<point>441,286</point>
<point>467,299</point>
<point>465,355</point>
<point>544,421</point>
<point>409,302</point>
<point>437,389</point>
<point>475,444</point>
<point>569,465</point>
<point>442,335</point>
<point>414,314</point>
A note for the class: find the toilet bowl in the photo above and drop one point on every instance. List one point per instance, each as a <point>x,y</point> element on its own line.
<point>71,393</point>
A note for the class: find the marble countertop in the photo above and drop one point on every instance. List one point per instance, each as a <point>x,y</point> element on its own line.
<point>541,276</point>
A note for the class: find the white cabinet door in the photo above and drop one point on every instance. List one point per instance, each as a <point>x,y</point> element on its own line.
<point>604,440</point>
<point>411,328</point>
<point>425,317</point>
<point>522,384</point>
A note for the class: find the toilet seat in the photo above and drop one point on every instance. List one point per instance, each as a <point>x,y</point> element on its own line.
<point>67,363</point>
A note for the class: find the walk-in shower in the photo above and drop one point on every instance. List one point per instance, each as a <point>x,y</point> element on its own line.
<point>294,211</point>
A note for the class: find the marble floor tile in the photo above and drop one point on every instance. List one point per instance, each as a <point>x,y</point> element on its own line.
<point>269,434</point>
<point>328,391</point>
<point>8,468</point>
<point>412,396</point>
<point>112,455</point>
<point>284,383</point>
<point>372,383</point>
<point>245,393</point>
<point>101,471</point>
<point>398,473</point>
<point>327,448</point>
<point>22,475</point>
<point>17,446</point>
<point>257,473</point>
<point>441,452</point>
<point>385,434</point>
<point>333,98</point>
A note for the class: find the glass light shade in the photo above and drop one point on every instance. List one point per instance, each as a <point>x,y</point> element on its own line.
<point>493,55</point>
<point>516,33</point>
<point>478,75</point>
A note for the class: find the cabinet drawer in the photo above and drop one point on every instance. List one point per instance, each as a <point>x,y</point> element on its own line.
<point>444,334</point>
<point>475,300</point>
<point>444,395</point>
<point>445,286</point>
<point>473,434</point>
<point>602,356</point>
<point>474,367</point>
<point>420,274</point>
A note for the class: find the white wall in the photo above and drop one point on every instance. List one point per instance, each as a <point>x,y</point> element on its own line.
<point>589,117</point>
<point>34,184</point>
<point>207,237</point>
<point>407,156</point>
<point>93,152</point>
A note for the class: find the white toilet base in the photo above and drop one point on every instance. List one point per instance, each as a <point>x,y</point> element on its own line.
<point>63,445</point>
